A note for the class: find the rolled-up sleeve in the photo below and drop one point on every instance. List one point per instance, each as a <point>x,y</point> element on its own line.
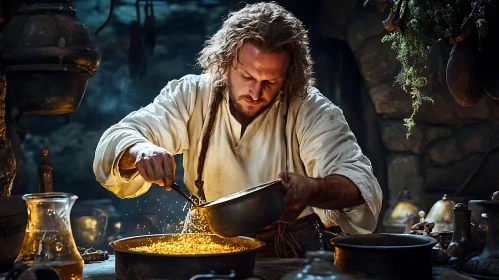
<point>328,146</point>
<point>162,123</point>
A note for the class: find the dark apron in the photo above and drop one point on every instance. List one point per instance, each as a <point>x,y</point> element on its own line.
<point>292,240</point>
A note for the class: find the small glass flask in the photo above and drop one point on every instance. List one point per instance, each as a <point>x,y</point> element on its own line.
<point>48,239</point>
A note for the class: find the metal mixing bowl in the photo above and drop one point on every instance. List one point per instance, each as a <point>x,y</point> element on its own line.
<point>247,211</point>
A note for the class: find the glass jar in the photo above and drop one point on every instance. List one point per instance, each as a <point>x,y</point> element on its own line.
<point>48,239</point>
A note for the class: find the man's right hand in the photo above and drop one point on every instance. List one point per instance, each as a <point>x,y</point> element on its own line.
<point>153,163</point>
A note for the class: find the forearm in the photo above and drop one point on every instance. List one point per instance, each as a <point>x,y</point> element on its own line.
<point>334,192</point>
<point>127,161</point>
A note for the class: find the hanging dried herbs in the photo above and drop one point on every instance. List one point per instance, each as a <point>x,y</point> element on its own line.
<point>416,25</point>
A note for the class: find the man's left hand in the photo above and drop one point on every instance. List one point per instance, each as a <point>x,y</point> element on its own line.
<point>299,189</point>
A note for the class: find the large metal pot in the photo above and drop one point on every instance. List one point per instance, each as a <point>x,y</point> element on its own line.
<point>137,265</point>
<point>48,56</point>
<point>247,211</point>
<point>385,256</point>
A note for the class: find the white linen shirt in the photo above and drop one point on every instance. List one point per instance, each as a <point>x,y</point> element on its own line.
<point>313,140</point>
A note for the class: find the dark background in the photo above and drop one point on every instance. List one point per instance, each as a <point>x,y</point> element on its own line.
<point>353,67</point>
<point>181,29</point>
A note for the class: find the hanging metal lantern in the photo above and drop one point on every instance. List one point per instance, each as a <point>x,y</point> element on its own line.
<point>48,56</point>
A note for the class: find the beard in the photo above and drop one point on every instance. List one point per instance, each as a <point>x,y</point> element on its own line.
<point>238,104</point>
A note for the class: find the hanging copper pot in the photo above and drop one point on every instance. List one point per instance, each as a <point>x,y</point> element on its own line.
<point>462,72</point>
<point>48,56</point>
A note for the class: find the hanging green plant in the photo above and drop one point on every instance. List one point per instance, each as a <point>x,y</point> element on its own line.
<point>415,26</point>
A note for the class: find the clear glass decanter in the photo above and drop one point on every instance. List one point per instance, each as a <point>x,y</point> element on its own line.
<point>48,239</point>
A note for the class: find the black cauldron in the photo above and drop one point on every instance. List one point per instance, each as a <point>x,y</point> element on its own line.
<point>47,56</point>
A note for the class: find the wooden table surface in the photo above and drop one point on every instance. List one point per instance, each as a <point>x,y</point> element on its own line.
<point>269,269</point>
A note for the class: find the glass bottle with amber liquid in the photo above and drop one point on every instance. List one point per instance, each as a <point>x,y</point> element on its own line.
<point>48,239</point>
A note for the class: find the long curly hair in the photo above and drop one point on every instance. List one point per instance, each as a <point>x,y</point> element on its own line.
<point>270,27</point>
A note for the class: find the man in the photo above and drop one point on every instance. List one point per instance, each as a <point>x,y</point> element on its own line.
<point>251,117</point>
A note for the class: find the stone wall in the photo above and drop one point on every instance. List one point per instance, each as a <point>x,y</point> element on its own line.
<point>448,142</point>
